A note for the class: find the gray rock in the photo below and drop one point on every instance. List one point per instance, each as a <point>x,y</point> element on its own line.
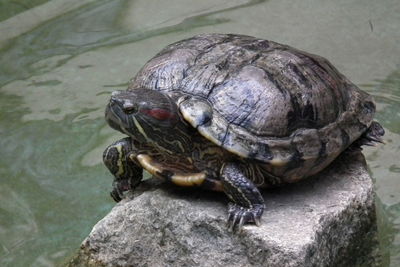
<point>328,220</point>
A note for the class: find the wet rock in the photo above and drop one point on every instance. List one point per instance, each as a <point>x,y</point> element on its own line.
<point>328,220</point>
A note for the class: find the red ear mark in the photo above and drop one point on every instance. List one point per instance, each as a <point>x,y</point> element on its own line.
<point>159,114</point>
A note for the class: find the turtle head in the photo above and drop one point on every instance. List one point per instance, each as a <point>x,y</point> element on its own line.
<point>148,116</point>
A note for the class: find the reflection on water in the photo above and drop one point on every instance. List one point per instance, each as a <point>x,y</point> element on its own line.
<point>12,8</point>
<point>388,96</point>
<point>47,197</point>
<point>384,161</point>
<point>55,79</point>
<point>100,25</point>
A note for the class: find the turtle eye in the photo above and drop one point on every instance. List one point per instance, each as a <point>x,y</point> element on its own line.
<point>130,108</point>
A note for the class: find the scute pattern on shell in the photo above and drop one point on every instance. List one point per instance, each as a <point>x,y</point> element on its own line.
<point>269,101</point>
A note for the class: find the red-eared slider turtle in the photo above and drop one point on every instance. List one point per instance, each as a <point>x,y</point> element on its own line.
<point>232,113</point>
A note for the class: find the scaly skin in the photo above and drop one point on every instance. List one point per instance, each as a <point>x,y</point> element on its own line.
<point>233,113</point>
<point>202,164</point>
<point>127,174</point>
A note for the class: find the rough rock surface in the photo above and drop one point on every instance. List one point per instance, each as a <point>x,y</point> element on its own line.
<point>328,220</point>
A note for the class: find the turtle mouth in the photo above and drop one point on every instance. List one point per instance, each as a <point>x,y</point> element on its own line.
<point>113,116</point>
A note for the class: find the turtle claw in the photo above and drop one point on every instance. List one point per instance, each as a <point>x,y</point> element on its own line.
<point>238,216</point>
<point>115,195</point>
<point>119,188</point>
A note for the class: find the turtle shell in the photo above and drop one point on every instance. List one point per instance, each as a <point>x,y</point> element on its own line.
<point>260,99</point>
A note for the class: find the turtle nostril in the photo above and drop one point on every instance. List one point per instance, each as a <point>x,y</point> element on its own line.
<point>113,101</point>
<point>117,92</point>
<point>116,97</point>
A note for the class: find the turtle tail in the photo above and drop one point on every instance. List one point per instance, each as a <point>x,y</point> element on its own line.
<point>370,137</point>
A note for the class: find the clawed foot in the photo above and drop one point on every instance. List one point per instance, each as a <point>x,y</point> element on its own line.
<point>238,216</point>
<point>119,188</point>
<point>119,158</point>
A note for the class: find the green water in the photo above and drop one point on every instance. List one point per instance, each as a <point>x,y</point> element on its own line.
<point>56,77</point>
<point>11,8</point>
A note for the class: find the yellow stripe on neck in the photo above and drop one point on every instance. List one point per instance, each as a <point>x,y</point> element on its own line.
<point>141,130</point>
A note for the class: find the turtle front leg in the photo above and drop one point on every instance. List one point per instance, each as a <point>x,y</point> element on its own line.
<point>248,203</point>
<point>119,159</point>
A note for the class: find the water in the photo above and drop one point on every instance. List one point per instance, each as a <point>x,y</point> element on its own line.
<point>58,71</point>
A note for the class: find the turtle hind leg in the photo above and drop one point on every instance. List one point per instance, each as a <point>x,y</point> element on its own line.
<point>119,159</point>
<point>372,136</point>
<point>247,202</point>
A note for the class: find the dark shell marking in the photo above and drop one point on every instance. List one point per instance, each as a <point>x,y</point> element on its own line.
<point>289,110</point>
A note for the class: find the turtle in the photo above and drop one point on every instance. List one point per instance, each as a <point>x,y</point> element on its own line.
<point>236,114</point>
